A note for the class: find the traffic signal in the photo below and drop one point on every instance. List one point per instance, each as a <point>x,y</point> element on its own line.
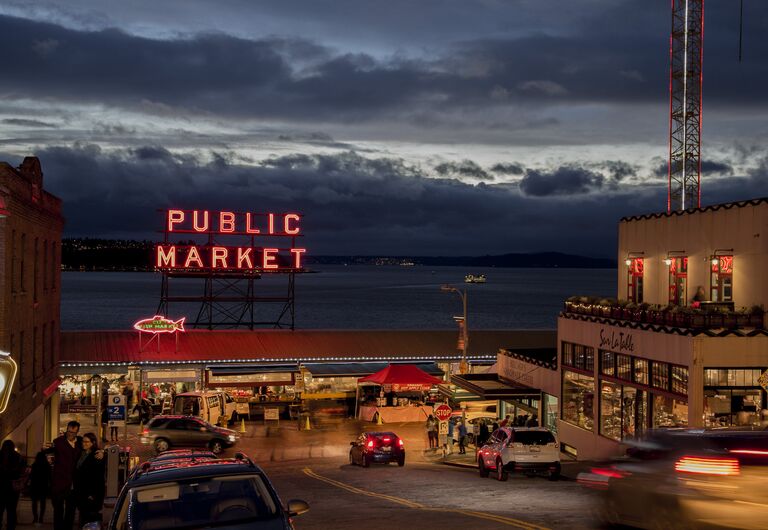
<point>8,371</point>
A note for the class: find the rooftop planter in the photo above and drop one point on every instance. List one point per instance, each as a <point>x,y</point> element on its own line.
<point>669,315</point>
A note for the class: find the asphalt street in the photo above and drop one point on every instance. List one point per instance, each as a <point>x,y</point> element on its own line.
<point>425,494</point>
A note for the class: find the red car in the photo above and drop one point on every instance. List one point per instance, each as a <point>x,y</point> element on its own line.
<point>377,447</point>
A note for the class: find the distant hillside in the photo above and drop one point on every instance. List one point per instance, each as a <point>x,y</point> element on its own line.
<point>127,255</point>
<point>534,260</point>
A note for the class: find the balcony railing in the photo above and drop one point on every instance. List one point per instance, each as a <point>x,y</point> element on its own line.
<point>669,315</point>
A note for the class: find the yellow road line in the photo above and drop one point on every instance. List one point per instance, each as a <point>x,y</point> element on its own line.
<point>416,506</point>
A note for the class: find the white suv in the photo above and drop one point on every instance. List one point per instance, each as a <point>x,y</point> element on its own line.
<point>530,451</point>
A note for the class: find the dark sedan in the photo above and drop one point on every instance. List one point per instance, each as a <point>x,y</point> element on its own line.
<point>377,447</point>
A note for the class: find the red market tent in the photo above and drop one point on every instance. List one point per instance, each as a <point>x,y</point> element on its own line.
<point>402,377</point>
<point>398,378</point>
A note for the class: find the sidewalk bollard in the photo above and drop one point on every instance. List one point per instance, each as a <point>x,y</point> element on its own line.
<point>242,425</point>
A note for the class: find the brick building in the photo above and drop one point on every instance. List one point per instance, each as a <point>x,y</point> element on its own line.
<point>30,262</point>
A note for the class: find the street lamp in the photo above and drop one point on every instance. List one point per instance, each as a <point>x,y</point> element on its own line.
<point>462,320</point>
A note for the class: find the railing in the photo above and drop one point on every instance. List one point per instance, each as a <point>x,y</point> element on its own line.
<point>677,316</point>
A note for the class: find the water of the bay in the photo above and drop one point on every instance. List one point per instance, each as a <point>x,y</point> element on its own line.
<point>350,297</point>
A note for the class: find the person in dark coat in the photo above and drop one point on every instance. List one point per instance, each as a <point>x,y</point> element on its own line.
<point>484,434</point>
<point>40,486</point>
<point>88,482</point>
<point>11,470</point>
<point>66,451</point>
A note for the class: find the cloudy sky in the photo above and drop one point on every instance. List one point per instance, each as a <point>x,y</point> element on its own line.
<point>447,127</point>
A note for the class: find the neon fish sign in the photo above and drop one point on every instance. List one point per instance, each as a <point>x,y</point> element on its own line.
<point>229,258</point>
<point>8,371</point>
<point>159,324</point>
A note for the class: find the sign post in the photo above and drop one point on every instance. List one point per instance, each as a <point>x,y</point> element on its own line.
<point>116,412</point>
<point>443,414</point>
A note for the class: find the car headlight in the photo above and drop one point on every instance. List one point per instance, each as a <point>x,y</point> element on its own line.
<point>231,437</point>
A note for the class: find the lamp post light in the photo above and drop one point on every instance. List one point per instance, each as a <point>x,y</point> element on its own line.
<point>464,336</point>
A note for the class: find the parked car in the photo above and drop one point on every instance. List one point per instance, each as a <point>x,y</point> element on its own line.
<point>212,406</point>
<point>165,432</point>
<point>229,493</point>
<point>527,450</point>
<point>184,454</point>
<point>687,478</point>
<point>378,447</point>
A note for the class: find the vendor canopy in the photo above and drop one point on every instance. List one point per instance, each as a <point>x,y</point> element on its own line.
<point>402,377</point>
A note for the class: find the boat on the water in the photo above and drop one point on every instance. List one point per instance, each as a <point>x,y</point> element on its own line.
<point>471,278</point>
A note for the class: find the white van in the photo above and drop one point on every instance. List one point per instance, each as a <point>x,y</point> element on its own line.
<point>212,406</point>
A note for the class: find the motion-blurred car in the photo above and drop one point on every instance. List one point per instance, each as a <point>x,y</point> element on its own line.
<point>230,494</point>
<point>165,432</point>
<point>377,447</point>
<point>530,451</point>
<point>687,479</point>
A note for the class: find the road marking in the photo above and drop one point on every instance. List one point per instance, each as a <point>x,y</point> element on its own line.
<point>517,523</point>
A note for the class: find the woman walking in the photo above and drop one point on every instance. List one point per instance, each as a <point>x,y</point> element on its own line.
<point>89,481</point>
<point>11,470</point>
<point>40,486</point>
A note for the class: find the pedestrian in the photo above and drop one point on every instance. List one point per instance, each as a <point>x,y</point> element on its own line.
<point>11,477</point>
<point>88,481</point>
<point>451,427</point>
<point>462,437</point>
<point>430,426</point>
<point>533,421</point>
<point>505,421</point>
<point>66,451</point>
<point>104,423</point>
<point>436,432</point>
<point>40,486</point>
<point>484,434</point>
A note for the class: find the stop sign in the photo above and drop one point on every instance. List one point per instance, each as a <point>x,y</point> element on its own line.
<point>442,412</point>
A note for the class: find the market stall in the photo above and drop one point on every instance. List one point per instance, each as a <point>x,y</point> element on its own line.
<point>400,396</point>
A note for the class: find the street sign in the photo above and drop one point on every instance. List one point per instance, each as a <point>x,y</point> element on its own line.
<point>763,380</point>
<point>116,410</point>
<point>442,412</point>
<point>443,427</point>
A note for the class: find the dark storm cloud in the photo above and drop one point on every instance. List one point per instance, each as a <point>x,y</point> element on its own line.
<point>708,167</point>
<point>21,122</point>
<point>618,170</point>
<point>465,168</point>
<point>351,204</point>
<point>564,180</point>
<point>508,168</point>
<point>598,61</point>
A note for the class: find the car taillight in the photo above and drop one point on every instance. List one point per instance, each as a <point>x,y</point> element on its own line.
<point>751,452</point>
<point>145,432</point>
<point>370,444</point>
<point>707,466</point>
<point>610,473</point>
<point>400,442</point>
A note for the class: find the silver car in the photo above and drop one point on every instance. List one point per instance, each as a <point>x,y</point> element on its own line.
<point>165,432</point>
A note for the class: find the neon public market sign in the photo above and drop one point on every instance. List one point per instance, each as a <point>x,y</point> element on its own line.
<point>281,230</point>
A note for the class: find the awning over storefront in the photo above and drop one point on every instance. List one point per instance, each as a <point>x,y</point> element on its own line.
<point>351,369</point>
<point>250,375</point>
<point>489,386</point>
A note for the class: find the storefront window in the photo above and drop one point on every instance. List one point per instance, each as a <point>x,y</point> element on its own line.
<point>567,349</point>
<point>641,371</point>
<point>733,396</point>
<point>549,413</point>
<point>634,412</point>
<point>578,399</point>
<point>660,375</point>
<point>721,279</point>
<point>680,380</point>
<point>578,356</point>
<point>610,410</point>
<point>635,280</point>
<point>624,367</point>
<point>669,412</point>
<point>607,363</point>
<point>732,377</point>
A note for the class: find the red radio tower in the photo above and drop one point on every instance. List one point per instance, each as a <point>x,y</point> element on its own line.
<point>686,44</point>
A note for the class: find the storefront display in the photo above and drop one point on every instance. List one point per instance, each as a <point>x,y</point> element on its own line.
<point>578,399</point>
<point>733,396</point>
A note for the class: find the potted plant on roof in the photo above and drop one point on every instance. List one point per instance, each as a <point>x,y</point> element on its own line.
<point>605,307</point>
<point>617,309</point>
<point>757,316</point>
<point>729,320</point>
<point>670,314</point>
<point>698,319</point>
<point>641,315</point>
<point>629,311</point>
<point>742,317</point>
